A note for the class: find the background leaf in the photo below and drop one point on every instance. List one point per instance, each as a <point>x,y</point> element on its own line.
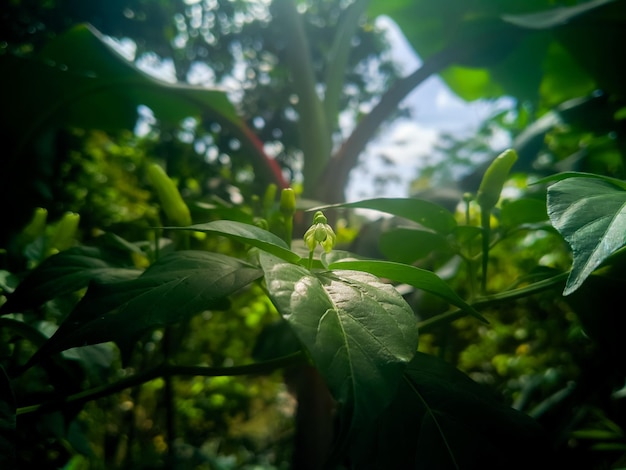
<point>359,331</point>
<point>246,233</point>
<point>554,17</point>
<point>591,215</point>
<point>407,245</point>
<point>523,211</point>
<point>177,286</point>
<point>8,434</point>
<point>442,419</point>
<point>425,213</point>
<point>65,272</point>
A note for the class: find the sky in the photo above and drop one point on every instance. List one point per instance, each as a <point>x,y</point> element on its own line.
<point>409,142</point>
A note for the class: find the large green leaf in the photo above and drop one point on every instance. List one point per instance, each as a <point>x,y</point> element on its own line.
<point>590,213</point>
<point>442,419</point>
<point>503,47</point>
<point>8,433</point>
<point>177,286</point>
<point>523,211</point>
<point>65,272</point>
<point>407,245</point>
<point>425,213</point>
<point>359,331</point>
<point>83,82</point>
<point>246,233</point>
<point>554,17</point>
<point>416,277</point>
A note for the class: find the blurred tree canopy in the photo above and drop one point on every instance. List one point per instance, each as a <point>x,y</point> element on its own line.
<point>245,98</point>
<point>228,44</point>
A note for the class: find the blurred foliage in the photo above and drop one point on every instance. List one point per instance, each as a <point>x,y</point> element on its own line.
<point>554,358</point>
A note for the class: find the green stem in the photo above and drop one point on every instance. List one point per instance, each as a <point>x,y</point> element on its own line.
<point>288,230</point>
<point>162,371</point>
<point>485,218</point>
<point>488,301</point>
<point>337,60</point>
<point>315,141</point>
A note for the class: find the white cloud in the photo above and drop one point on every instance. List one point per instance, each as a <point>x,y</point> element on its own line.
<point>406,142</point>
<point>445,100</point>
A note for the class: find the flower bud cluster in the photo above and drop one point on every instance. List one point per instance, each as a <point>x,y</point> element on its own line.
<point>320,232</point>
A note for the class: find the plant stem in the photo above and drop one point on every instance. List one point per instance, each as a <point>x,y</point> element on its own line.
<point>488,301</point>
<point>315,140</point>
<point>162,371</point>
<point>485,218</point>
<point>168,394</point>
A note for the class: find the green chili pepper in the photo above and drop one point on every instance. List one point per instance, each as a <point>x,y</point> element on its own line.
<point>36,226</point>
<point>64,233</point>
<point>171,201</point>
<point>494,179</point>
<point>288,209</point>
<point>487,197</point>
<point>288,202</point>
<point>269,198</point>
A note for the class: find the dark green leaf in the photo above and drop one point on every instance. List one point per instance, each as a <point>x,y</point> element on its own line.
<point>555,16</point>
<point>246,233</point>
<point>577,174</point>
<point>425,213</point>
<point>416,277</point>
<point>65,272</point>
<point>407,245</point>
<point>499,49</point>
<point>8,433</point>
<point>359,331</point>
<point>176,287</point>
<point>523,211</point>
<point>442,419</point>
<point>337,255</point>
<point>604,325</point>
<point>84,82</point>
<point>590,213</point>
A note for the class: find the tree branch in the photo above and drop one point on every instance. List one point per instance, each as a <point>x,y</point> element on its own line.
<point>163,371</point>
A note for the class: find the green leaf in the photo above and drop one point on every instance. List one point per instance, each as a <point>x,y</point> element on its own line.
<point>90,85</point>
<point>442,419</point>
<point>8,432</point>
<point>590,213</point>
<point>177,286</point>
<point>407,245</point>
<point>359,331</point>
<point>500,49</point>
<point>523,211</point>
<point>554,17</point>
<point>84,82</point>
<point>65,272</point>
<point>246,233</point>
<point>425,213</point>
<point>416,277</point>
<point>577,174</point>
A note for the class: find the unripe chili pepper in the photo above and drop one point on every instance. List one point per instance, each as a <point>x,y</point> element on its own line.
<point>36,226</point>
<point>494,179</point>
<point>171,201</point>
<point>269,198</point>
<point>64,233</point>
<point>288,209</point>
<point>288,202</point>
<point>487,197</point>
